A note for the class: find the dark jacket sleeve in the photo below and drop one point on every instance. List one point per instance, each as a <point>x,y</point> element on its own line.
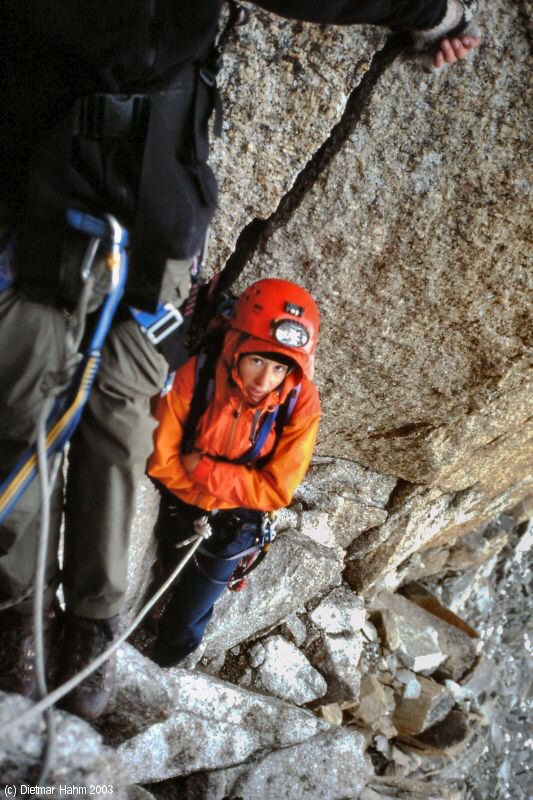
<point>399,15</point>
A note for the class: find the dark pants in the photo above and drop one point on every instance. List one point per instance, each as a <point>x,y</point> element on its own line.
<point>107,454</point>
<point>203,580</point>
<point>107,457</point>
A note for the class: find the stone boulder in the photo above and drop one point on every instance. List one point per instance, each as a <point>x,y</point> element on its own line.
<point>79,756</point>
<point>168,723</point>
<point>296,570</point>
<point>329,766</point>
<point>283,671</point>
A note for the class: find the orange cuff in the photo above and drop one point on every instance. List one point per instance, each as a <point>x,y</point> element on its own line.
<point>202,470</point>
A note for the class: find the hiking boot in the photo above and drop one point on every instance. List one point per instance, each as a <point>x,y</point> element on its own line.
<point>85,639</point>
<point>17,651</point>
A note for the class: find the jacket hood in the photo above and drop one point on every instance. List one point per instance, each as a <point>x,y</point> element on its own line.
<point>237,344</point>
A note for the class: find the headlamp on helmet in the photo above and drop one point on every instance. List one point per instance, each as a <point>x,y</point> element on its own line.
<point>290,333</point>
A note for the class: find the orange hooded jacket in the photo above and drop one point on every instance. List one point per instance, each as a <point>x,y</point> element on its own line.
<point>226,429</point>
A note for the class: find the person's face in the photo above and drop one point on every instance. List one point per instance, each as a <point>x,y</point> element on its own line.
<point>260,376</point>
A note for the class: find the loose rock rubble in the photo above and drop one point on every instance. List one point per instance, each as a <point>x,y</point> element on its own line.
<point>388,696</point>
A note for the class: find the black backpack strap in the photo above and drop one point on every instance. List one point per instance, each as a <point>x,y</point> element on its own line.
<point>204,386</point>
<point>285,411</point>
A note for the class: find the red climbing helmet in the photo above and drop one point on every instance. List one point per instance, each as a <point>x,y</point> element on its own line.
<point>282,314</point>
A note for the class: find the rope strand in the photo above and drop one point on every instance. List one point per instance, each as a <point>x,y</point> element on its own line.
<point>65,688</point>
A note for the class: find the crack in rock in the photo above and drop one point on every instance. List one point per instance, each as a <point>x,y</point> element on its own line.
<point>254,235</point>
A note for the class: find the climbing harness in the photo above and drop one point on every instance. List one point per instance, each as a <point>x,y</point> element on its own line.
<point>248,559</point>
<point>66,412</point>
<point>249,562</point>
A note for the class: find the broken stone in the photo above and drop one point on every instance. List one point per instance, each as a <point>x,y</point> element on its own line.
<point>246,678</point>
<point>370,631</point>
<point>295,571</point>
<point>174,722</point>
<point>426,642</point>
<point>456,589</point>
<point>413,715</point>
<point>422,597</point>
<point>286,673</point>
<point>386,677</point>
<point>80,759</point>
<point>448,737</point>
<point>417,646</point>
<point>383,745</point>
<point>330,765</point>
<point>337,657</point>
<point>331,712</point>
<point>482,679</point>
<point>391,660</point>
<point>374,702</point>
<point>386,727</point>
<point>213,665</point>
<point>256,654</point>
<point>403,763</point>
<point>294,628</point>
<point>341,611</point>
<point>411,685</point>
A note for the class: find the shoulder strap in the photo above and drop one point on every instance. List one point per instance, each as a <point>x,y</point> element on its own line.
<point>283,415</point>
<point>262,435</point>
<point>204,387</point>
<point>286,409</point>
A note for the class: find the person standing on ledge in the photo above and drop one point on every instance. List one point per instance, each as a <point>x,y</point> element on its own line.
<point>235,454</point>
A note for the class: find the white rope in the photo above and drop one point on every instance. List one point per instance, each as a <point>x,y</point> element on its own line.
<point>65,688</point>
<point>38,601</point>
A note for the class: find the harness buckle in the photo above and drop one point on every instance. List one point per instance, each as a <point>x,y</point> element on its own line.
<point>158,326</point>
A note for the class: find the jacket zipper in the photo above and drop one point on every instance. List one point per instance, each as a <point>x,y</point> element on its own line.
<point>231,435</point>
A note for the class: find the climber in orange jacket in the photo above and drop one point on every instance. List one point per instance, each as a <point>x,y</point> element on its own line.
<point>235,439</point>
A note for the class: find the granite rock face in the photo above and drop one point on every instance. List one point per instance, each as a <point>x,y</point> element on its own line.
<point>296,570</point>
<point>80,757</point>
<point>284,85</point>
<point>411,229</point>
<point>332,765</point>
<point>192,722</point>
